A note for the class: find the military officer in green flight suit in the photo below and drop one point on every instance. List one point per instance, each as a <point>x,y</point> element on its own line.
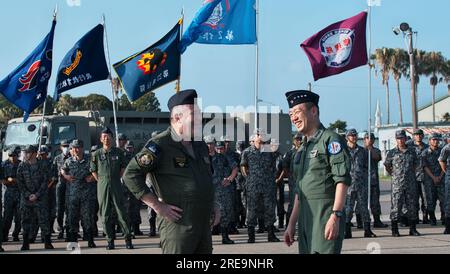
<point>321,171</point>
<point>180,168</point>
<point>107,166</point>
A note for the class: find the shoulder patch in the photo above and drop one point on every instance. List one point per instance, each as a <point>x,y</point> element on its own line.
<point>153,148</point>
<point>334,148</point>
<point>145,160</point>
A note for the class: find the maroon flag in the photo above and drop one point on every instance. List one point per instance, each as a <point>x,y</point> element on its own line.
<point>338,47</point>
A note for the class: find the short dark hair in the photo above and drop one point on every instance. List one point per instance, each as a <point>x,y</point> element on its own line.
<point>310,105</point>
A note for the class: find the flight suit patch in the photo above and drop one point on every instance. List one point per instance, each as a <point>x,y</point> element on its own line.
<point>180,162</point>
<point>314,153</point>
<point>114,158</point>
<point>153,148</point>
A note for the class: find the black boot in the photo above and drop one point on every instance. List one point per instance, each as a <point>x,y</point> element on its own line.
<point>261,226</point>
<point>152,227</point>
<point>16,237</point>
<point>395,232</point>
<point>48,242</point>
<point>61,234</point>
<point>425,219</point>
<point>443,218</point>
<point>26,242</point>
<point>377,223</point>
<point>367,232</point>
<point>348,231</point>
<point>281,222</point>
<point>251,235</point>
<point>433,220</point>
<point>129,243</point>
<point>110,245</point>
<point>412,229</point>
<point>216,230</point>
<point>91,243</point>
<point>137,231</point>
<point>404,221</point>
<point>447,226</point>
<point>359,223</point>
<point>1,248</point>
<point>271,237</point>
<point>225,239</point>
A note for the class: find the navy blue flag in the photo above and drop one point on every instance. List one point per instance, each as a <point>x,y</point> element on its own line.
<point>230,22</point>
<point>152,68</point>
<point>85,63</point>
<point>26,86</point>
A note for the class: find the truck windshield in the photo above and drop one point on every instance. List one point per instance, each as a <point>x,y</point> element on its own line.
<point>22,134</point>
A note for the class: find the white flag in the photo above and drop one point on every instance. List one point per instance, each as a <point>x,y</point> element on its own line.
<point>373,3</point>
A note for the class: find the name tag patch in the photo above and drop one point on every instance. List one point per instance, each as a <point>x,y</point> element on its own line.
<point>180,162</point>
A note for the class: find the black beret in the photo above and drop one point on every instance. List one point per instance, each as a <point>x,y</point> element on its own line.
<point>107,131</point>
<point>435,135</point>
<point>185,97</point>
<point>372,136</point>
<point>351,132</point>
<point>297,97</point>
<point>220,144</point>
<point>30,149</point>
<point>418,132</point>
<point>76,143</point>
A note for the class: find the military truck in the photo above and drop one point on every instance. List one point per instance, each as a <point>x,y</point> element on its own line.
<point>138,126</point>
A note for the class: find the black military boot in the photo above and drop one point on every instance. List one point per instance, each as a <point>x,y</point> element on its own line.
<point>359,223</point>
<point>433,220</point>
<point>129,243</point>
<point>367,232</point>
<point>271,237</point>
<point>443,218</point>
<point>447,226</point>
<point>91,243</point>
<point>377,223</point>
<point>348,231</point>
<point>137,231</point>
<point>412,229</point>
<point>1,248</point>
<point>404,221</point>
<point>16,237</point>
<point>152,228</point>
<point>48,242</point>
<point>26,242</point>
<point>281,222</point>
<point>251,235</point>
<point>61,234</point>
<point>110,245</point>
<point>261,226</point>
<point>225,239</point>
<point>216,230</point>
<point>425,219</point>
<point>395,232</point>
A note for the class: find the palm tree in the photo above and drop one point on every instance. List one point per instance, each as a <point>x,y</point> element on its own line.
<point>398,66</point>
<point>383,58</point>
<point>434,66</point>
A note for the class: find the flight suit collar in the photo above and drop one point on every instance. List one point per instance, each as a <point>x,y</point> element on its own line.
<point>316,136</point>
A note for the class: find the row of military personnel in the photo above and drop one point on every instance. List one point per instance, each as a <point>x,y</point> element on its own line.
<point>418,173</point>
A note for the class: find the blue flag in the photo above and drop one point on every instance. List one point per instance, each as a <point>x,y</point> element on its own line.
<point>229,22</point>
<point>85,63</point>
<point>152,68</point>
<point>26,86</point>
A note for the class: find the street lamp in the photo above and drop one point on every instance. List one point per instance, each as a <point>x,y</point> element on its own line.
<point>408,34</point>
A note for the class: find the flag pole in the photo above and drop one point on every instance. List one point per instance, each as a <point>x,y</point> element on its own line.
<point>257,64</point>
<point>41,133</point>
<point>178,85</point>
<point>111,82</point>
<point>369,131</point>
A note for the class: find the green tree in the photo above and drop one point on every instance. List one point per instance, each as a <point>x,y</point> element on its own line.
<point>48,107</point>
<point>65,104</point>
<point>398,66</point>
<point>340,125</point>
<point>383,58</point>
<point>124,103</point>
<point>446,117</point>
<point>434,66</point>
<point>95,102</point>
<point>148,102</point>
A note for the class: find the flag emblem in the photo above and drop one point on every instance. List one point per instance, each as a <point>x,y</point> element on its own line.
<point>152,60</point>
<point>336,47</point>
<point>76,61</point>
<point>28,80</point>
<point>217,15</point>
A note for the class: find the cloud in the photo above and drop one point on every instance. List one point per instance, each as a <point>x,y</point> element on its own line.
<point>73,3</point>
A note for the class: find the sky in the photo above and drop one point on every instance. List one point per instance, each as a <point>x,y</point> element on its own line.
<point>224,75</point>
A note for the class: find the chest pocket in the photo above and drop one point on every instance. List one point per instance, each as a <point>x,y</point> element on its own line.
<point>180,162</point>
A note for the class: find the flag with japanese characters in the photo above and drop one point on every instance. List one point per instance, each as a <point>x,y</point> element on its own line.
<point>26,87</point>
<point>338,47</point>
<point>231,22</point>
<point>151,68</point>
<point>85,63</point>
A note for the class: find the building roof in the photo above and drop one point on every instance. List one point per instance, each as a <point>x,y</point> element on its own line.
<point>442,98</point>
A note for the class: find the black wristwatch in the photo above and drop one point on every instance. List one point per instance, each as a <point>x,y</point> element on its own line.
<point>338,213</point>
